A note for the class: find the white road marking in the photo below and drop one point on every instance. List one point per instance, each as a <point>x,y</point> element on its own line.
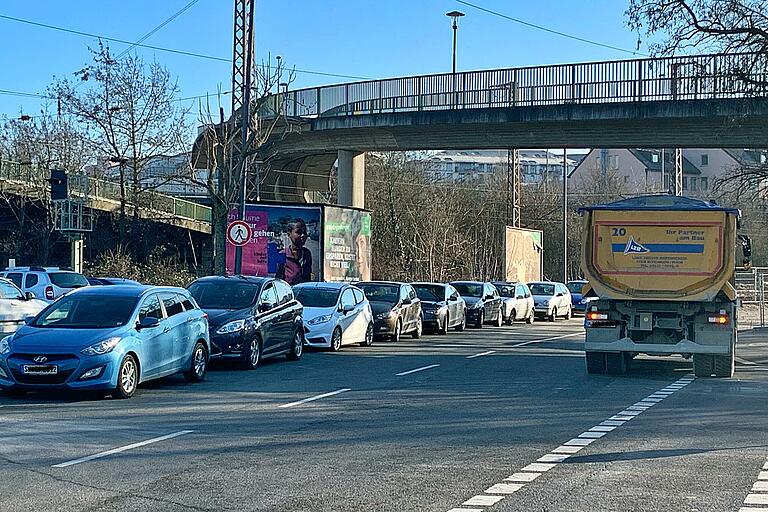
<point>553,338</point>
<point>611,423</point>
<point>121,449</point>
<point>523,477</point>
<point>538,467</point>
<point>602,428</point>
<point>760,486</point>
<point>570,449</point>
<point>763,475</point>
<point>466,510</point>
<point>504,488</point>
<point>313,398</point>
<point>483,501</point>
<point>552,457</point>
<point>756,499</point>
<point>753,509</point>
<point>592,435</point>
<point>652,399</point>
<point>481,354</point>
<point>578,441</point>
<point>627,412</point>
<point>417,370</point>
<point>765,466</point>
<point>621,417</point>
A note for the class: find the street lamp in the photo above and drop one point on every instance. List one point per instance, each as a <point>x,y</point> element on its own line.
<point>454,15</point>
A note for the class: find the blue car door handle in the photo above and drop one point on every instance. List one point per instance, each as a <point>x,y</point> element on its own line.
<point>167,329</point>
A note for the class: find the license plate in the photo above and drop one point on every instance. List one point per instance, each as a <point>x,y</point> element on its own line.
<point>40,369</point>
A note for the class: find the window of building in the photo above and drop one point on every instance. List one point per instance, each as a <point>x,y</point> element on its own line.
<point>694,185</point>
<point>705,159</point>
<point>685,183</point>
<point>704,184</point>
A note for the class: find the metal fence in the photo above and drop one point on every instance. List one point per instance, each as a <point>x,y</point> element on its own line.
<point>84,186</point>
<point>714,76</point>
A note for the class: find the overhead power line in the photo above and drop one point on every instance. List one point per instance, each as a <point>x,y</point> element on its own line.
<point>157,28</point>
<point>551,31</point>
<point>162,49</point>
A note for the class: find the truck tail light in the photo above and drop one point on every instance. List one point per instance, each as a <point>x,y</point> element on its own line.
<point>596,315</point>
<point>49,293</point>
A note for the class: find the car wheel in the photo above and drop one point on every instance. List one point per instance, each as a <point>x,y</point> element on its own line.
<point>252,355</point>
<point>419,328</point>
<point>368,336</point>
<point>553,316</point>
<point>199,364</point>
<point>444,329</point>
<point>499,319</point>
<point>511,318</point>
<point>463,325</point>
<point>530,318</point>
<point>336,340</point>
<point>127,378</point>
<point>480,320</point>
<point>297,347</point>
<point>398,331</point>
<point>568,314</point>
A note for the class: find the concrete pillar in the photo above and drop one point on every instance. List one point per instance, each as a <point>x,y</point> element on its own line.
<point>351,179</point>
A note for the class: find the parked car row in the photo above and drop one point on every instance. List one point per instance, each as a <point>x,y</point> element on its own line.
<point>112,336</point>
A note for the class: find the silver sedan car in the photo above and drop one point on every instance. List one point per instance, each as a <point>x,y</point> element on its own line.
<point>335,314</point>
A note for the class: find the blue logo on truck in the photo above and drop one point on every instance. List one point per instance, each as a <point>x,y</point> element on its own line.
<point>633,247</point>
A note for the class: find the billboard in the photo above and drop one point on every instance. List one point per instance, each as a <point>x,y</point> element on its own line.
<point>285,242</point>
<point>347,244</point>
<point>523,254</point>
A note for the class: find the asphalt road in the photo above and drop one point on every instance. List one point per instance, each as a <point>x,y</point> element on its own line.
<point>501,419</point>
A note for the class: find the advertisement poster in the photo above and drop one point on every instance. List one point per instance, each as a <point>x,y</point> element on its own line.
<point>523,261</point>
<point>284,243</point>
<point>347,244</point>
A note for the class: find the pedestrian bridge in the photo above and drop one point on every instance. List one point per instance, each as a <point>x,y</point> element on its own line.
<point>30,181</point>
<point>704,101</point>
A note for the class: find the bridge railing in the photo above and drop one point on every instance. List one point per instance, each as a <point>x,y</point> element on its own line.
<point>84,186</point>
<point>672,78</point>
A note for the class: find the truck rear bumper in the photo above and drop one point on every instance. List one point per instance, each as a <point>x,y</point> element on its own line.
<point>681,347</point>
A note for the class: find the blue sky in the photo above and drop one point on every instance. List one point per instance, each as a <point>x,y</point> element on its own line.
<point>364,38</point>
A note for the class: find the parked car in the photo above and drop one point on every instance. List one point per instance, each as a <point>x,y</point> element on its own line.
<point>579,303</point>
<point>108,281</point>
<point>517,301</point>
<point>551,300</point>
<point>108,338</point>
<point>16,307</point>
<point>442,307</point>
<point>335,314</point>
<point>47,283</point>
<point>396,309</point>
<point>483,302</point>
<point>251,318</point>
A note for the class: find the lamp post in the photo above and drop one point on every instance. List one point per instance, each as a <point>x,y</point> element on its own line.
<point>454,15</point>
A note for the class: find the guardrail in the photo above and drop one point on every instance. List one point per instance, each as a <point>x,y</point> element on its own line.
<point>84,186</point>
<point>671,78</point>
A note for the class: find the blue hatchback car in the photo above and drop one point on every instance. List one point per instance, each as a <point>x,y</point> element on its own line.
<point>108,338</point>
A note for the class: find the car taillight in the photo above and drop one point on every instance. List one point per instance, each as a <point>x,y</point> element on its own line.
<point>720,319</point>
<point>49,292</point>
<point>595,315</point>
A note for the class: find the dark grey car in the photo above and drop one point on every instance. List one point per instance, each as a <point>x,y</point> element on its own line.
<point>483,302</point>
<point>442,307</point>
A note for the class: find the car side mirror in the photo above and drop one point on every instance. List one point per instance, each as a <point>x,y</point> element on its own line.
<point>520,297</point>
<point>559,294</point>
<point>265,306</point>
<point>407,302</point>
<point>28,319</point>
<point>29,296</point>
<point>347,308</point>
<point>488,297</point>
<point>148,322</point>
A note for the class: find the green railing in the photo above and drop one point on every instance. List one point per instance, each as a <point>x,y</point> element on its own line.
<point>84,186</point>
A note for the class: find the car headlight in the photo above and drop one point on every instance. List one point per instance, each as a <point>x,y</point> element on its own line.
<point>320,319</point>
<point>101,347</point>
<point>230,327</point>
<point>5,345</point>
<point>383,316</point>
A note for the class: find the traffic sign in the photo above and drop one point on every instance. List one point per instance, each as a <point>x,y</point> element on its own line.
<point>239,233</point>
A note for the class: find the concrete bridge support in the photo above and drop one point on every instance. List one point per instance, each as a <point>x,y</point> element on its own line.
<point>351,179</point>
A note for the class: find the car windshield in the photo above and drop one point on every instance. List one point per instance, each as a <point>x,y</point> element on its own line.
<point>576,286</point>
<point>542,289</point>
<point>506,290</point>
<point>224,294</point>
<point>469,290</point>
<point>316,297</point>
<point>430,292</point>
<point>381,292</point>
<point>68,279</point>
<point>87,312</point>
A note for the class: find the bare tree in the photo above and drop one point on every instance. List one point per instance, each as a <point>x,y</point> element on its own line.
<point>131,111</point>
<point>220,153</point>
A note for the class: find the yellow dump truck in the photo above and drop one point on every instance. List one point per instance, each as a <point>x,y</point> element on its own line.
<point>661,267</point>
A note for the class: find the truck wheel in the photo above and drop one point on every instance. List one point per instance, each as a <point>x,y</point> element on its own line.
<point>703,365</point>
<point>595,362</point>
<point>724,365</point>
<point>615,363</point>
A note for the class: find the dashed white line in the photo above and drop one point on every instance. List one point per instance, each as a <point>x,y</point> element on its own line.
<point>313,398</point>
<point>121,449</point>
<point>758,495</point>
<point>417,370</point>
<point>553,338</point>
<point>481,354</point>
<point>483,501</point>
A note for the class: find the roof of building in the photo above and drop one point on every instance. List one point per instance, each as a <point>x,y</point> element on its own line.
<point>646,158</point>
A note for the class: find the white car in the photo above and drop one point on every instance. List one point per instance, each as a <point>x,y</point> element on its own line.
<point>551,300</point>
<point>16,307</point>
<point>335,314</point>
<point>47,283</point>
<point>517,301</point>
